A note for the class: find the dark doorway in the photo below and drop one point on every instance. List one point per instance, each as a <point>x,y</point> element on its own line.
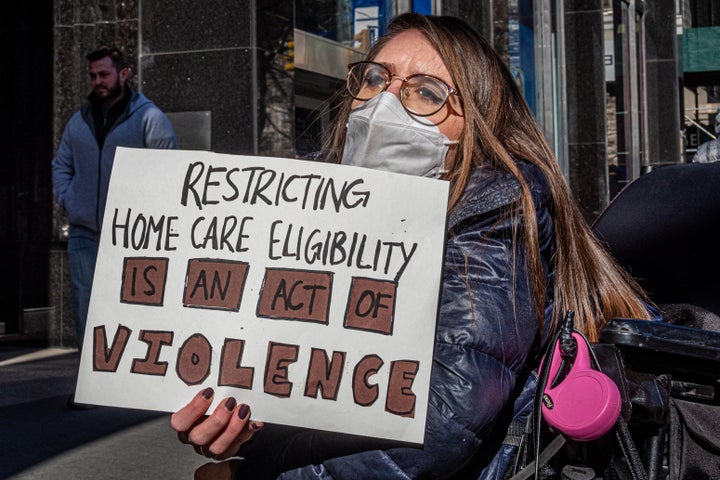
<point>26,146</point>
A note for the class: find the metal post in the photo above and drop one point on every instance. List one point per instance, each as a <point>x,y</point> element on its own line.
<point>543,58</point>
<point>633,166</point>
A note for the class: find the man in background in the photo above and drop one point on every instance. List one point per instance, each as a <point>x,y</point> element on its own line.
<point>114,115</point>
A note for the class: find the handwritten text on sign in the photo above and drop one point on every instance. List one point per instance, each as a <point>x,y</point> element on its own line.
<point>307,290</point>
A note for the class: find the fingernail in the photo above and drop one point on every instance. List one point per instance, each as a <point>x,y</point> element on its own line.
<point>243,411</point>
<point>230,404</point>
<point>254,426</point>
<point>208,393</point>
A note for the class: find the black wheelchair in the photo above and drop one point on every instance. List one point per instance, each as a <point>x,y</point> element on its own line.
<point>663,228</point>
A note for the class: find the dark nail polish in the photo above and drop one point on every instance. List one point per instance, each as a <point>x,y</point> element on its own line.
<point>230,404</point>
<point>208,393</point>
<point>243,411</point>
<point>256,426</point>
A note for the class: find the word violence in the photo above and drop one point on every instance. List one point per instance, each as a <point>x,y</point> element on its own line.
<point>323,373</point>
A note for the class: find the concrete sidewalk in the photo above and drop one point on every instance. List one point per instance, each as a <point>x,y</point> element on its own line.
<point>42,439</point>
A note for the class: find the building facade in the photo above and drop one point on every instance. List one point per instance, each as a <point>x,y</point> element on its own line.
<point>609,81</point>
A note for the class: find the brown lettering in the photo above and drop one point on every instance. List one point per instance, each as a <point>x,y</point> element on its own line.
<point>232,374</point>
<point>400,397</point>
<point>150,365</point>
<point>324,375</point>
<point>295,295</point>
<point>107,359</point>
<point>194,360</point>
<point>215,284</point>
<point>279,356</point>
<point>371,306</point>
<point>143,280</point>
<point>364,393</point>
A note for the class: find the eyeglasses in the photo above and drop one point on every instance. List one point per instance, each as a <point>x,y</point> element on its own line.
<point>420,94</point>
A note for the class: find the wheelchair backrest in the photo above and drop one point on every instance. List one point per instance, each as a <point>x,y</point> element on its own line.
<point>664,228</point>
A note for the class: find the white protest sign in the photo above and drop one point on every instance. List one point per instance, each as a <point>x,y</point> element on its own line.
<point>307,290</point>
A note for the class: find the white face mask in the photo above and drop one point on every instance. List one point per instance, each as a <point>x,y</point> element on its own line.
<point>382,135</point>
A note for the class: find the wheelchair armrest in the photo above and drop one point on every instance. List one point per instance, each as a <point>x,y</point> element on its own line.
<point>689,355</point>
<point>677,340</point>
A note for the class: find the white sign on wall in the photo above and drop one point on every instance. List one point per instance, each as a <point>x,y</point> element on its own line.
<point>307,290</point>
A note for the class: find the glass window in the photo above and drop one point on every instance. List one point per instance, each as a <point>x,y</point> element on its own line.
<point>353,23</point>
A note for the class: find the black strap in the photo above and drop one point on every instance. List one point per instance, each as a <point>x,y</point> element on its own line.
<point>550,451</point>
<point>563,332</point>
<point>630,453</point>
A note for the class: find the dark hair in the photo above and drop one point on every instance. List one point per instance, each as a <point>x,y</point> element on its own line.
<point>499,128</point>
<point>117,57</point>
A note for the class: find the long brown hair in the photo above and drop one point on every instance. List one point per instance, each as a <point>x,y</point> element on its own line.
<point>498,127</point>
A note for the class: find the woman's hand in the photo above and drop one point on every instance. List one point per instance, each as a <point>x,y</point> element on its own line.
<point>218,435</point>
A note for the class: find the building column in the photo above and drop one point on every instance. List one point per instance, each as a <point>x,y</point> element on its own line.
<point>663,86</point>
<point>585,96</point>
<point>225,63</point>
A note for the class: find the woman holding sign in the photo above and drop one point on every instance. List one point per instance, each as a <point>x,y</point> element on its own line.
<point>434,99</point>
